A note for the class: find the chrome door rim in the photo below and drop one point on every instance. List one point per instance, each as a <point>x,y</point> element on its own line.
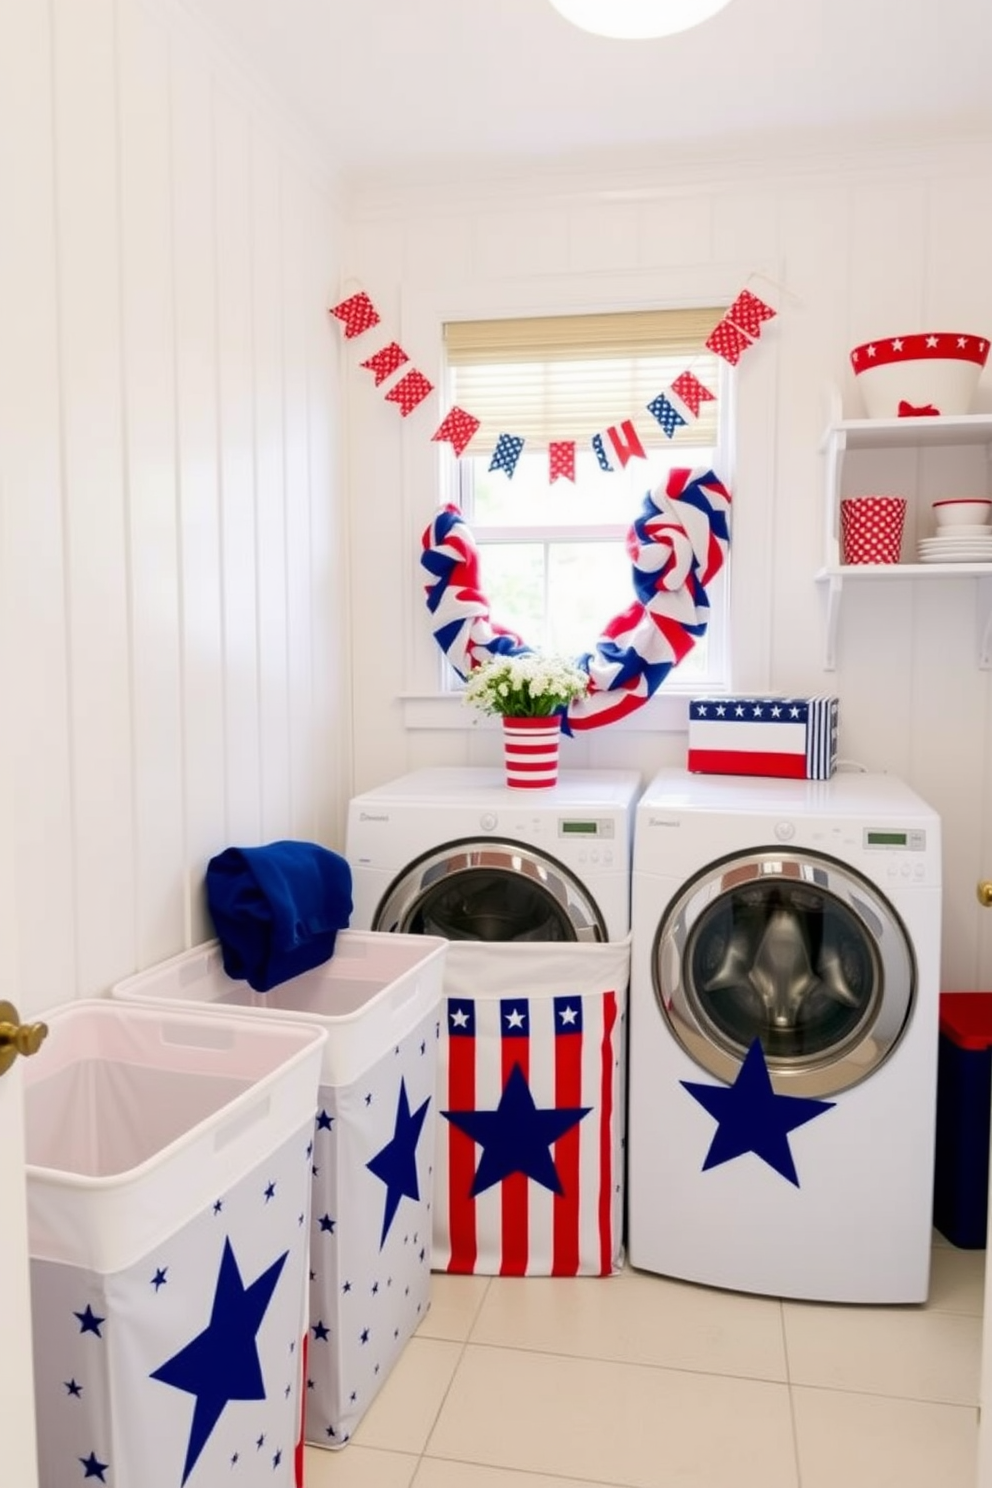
<point>445,864</point>
<point>863,1052</point>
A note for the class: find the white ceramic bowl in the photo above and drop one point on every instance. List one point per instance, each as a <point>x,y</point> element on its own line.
<point>913,376</point>
<point>965,512</point>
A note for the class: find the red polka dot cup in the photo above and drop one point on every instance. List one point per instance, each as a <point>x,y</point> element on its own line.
<point>871,529</point>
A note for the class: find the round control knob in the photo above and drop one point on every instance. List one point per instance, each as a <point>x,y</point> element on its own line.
<point>487,821</point>
<point>785,831</point>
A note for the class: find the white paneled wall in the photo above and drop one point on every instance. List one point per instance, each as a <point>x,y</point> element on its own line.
<point>873,242</point>
<point>174,584</point>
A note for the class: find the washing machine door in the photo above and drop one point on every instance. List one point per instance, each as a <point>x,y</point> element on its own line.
<point>795,949</point>
<point>489,890</point>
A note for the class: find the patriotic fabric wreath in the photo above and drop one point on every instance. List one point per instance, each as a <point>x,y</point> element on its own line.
<point>676,545</point>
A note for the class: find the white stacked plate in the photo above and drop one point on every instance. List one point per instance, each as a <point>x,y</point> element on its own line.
<point>958,544</point>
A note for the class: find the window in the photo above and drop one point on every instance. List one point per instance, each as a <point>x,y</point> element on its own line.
<point>553,556</point>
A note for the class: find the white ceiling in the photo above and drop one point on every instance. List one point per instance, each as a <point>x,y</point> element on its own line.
<point>394,84</point>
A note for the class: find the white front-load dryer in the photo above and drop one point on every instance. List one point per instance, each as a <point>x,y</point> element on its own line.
<point>783,1035</point>
<point>456,852</point>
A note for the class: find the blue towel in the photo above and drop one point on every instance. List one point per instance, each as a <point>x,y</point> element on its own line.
<point>277,909</point>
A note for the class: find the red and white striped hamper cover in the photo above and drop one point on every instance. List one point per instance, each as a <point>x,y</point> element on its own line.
<point>528,1174</point>
<point>871,528</point>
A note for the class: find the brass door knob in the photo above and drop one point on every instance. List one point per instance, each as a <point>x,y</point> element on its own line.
<point>17,1037</point>
<point>985,893</point>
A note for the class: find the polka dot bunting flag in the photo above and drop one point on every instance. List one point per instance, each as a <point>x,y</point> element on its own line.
<point>457,428</point>
<point>747,312</point>
<point>728,341</point>
<point>357,314</point>
<point>385,362</point>
<point>561,460</point>
<point>409,391</point>
<point>688,387</point>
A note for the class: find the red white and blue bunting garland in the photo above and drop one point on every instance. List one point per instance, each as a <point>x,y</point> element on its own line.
<point>672,408</point>
<point>677,545</point>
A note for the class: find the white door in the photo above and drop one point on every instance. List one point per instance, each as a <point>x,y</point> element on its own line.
<point>17,1444</point>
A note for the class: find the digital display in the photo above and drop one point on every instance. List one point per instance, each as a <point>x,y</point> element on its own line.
<point>886,839</point>
<point>582,828</point>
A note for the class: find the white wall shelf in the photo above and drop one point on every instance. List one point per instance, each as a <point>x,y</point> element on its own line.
<point>844,435</point>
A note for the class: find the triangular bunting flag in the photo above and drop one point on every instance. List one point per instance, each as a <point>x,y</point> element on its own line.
<point>748,312</point>
<point>692,392</point>
<point>626,443</point>
<point>409,391</point>
<point>728,341</point>
<point>601,455</point>
<point>561,459</point>
<point>667,414</point>
<point>456,429</point>
<point>507,453</point>
<point>357,313</point>
<point>385,362</point>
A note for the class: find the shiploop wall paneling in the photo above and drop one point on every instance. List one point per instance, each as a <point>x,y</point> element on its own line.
<point>173,530</point>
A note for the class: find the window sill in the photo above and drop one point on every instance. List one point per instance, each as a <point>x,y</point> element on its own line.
<point>668,714</point>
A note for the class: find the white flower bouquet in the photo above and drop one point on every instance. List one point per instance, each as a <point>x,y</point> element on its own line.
<point>528,686</point>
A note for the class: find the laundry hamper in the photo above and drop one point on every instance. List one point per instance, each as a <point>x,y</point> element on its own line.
<point>529,1165</point>
<point>168,1197</point>
<point>378,998</point>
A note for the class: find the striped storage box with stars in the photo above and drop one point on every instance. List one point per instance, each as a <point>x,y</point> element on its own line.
<point>378,999</point>
<point>529,1167</point>
<point>168,1190</point>
<point>795,737</point>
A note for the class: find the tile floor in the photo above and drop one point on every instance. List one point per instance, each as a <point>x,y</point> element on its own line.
<point>648,1383</point>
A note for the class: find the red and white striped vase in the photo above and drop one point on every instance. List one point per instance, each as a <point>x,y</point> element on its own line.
<point>530,751</point>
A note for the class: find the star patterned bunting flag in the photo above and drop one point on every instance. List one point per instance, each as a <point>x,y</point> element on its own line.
<point>750,1117</point>
<point>196,1347</point>
<point>370,1258</point>
<point>528,1169</point>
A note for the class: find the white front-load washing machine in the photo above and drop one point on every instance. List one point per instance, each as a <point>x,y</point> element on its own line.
<point>783,1035</point>
<point>456,852</point>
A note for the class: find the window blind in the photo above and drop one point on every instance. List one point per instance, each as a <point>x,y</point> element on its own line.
<point>569,377</point>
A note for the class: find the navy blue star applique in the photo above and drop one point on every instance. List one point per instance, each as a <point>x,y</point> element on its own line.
<point>396,1163</point>
<point>221,1363</point>
<point>517,1136</point>
<point>89,1322</point>
<point>750,1117</point>
<point>93,1467</point>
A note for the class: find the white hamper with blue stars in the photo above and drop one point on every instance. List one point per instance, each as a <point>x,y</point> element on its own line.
<point>378,998</point>
<point>168,1187</point>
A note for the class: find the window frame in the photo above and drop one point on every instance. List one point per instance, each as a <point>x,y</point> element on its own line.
<point>429,479</point>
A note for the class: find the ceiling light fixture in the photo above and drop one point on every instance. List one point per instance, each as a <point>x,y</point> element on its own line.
<point>637,19</point>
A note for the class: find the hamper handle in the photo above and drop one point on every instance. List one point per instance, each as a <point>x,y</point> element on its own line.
<point>205,1035</point>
